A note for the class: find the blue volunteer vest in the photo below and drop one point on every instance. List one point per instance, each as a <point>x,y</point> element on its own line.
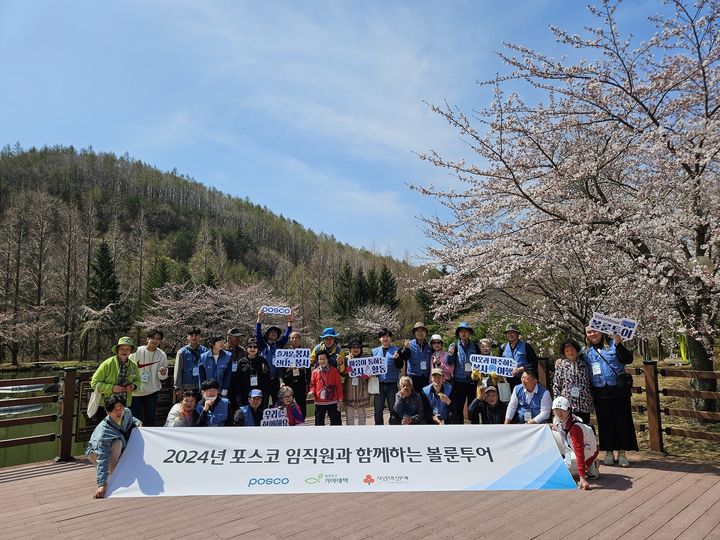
<point>220,370</point>
<point>269,353</point>
<point>218,415</point>
<point>524,406</point>
<point>418,355</point>
<point>190,361</point>
<point>248,419</point>
<point>393,373</point>
<point>607,375</point>
<point>438,407</point>
<point>463,356</point>
<point>519,354</point>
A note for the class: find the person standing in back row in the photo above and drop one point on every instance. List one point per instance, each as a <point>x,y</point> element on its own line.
<point>459,356</point>
<point>520,351</point>
<point>152,363</point>
<point>187,364</point>
<point>417,353</point>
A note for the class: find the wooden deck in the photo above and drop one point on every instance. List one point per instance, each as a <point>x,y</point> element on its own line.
<point>655,498</point>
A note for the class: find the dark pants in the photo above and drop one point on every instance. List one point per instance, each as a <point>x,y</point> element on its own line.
<point>419,382</point>
<point>300,391</point>
<point>463,392</point>
<point>331,410</point>
<point>143,408</point>
<point>386,395</point>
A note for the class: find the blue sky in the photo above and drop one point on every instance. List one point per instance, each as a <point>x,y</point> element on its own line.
<point>313,109</point>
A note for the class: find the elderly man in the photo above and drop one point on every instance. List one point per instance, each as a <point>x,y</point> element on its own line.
<point>252,413</point>
<point>437,399</point>
<point>530,402</point>
<point>417,353</point>
<point>408,407</point>
<point>520,351</point>
<point>119,374</point>
<point>213,409</point>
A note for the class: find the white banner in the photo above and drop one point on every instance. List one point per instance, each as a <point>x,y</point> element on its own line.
<point>367,365</point>
<point>250,460</point>
<point>276,310</point>
<point>274,417</point>
<point>605,324</point>
<point>292,358</point>
<point>488,364</point>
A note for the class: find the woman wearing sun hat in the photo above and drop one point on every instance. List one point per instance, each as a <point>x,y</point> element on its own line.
<point>329,344</point>
<point>118,375</point>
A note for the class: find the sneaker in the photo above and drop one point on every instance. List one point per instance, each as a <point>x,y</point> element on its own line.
<point>593,471</point>
<point>609,459</point>
<point>623,460</point>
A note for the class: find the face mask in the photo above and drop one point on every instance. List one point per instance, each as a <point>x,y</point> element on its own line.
<point>210,400</point>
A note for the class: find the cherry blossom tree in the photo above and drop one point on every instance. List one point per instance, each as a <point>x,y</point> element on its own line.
<point>606,195</point>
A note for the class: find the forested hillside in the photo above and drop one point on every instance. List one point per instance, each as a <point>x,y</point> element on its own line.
<point>90,240</point>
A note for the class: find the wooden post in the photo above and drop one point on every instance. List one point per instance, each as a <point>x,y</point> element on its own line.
<point>542,372</point>
<point>653,406</point>
<point>68,413</point>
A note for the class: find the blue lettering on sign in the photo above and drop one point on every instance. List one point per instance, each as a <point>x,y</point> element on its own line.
<point>269,481</point>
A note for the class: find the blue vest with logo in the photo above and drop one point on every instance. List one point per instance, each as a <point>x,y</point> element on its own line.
<point>418,355</point>
<point>519,354</point>
<point>609,356</point>
<point>217,415</point>
<point>190,361</point>
<point>462,357</point>
<point>438,407</point>
<point>393,373</point>
<point>248,420</point>
<point>221,370</point>
<point>533,406</point>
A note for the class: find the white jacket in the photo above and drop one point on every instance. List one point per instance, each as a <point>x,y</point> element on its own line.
<point>149,364</point>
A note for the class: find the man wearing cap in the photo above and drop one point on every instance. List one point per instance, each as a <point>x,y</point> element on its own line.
<point>269,342</point>
<point>118,375</point>
<point>459,356</point>
<point>187,363</point>
<point>296,378</point>
<point>487,407</point>
<point>417,353</point>
<point>530,402</point>
<point>388,382</point>
<point>232,344</point>
<point>575,439</point>
<point>252,413</point>
<point>329,344</point>
<point>214,410</point>
<point>437,399</point>
<point>520,351</point>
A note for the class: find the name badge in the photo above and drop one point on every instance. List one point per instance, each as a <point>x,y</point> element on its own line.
<point>575,392</point>
<point>196,372</point>
<point>322,394</point>
<point>528,416</point>
<point>253,380</point>
<point>234,368</point>
<point>596,369</point>
<point>145,377</point>
<point>423,365</point>
<point>296,372</point>
<point>468,367</point>
<point>356,381</point>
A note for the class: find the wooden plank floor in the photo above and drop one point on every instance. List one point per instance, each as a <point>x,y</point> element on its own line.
<point>655,498</point>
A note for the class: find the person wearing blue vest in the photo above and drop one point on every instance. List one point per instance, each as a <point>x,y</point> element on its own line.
<point>607,359</point>
<point>438,403</point>
<point>417,353</point>
<point>530,402</point>
<point>252,413</point>
<point>216,363</point>
<point>269,342</point>
<point>388,382</point>
<point>520,351</point>
<point>187,364</point>
<point>213,410</point>
<point>459,357</point>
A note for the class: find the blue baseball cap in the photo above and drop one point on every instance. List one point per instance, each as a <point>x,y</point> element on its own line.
<point>256,393</point>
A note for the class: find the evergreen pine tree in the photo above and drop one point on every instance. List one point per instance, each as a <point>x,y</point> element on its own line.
<point>343,298</point>
<point>387,289</point>
<point>161,273</point>
<point>360,289</point>
<point>425,301</point>
<point>103,288</point>
<point>373,286</point>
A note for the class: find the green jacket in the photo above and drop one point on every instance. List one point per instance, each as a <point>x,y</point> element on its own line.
<point>106,376</point>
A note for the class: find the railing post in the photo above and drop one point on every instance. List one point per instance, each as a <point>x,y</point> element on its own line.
<point>543,372</point>
<point>653,406</point>
<point>68,413</point>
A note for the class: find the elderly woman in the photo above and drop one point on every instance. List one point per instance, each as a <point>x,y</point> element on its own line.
<point>286,400</point>
<point>572,380</point>
<point>356,390</point>
<point>408,407</point>
<point>607,358</point>
<point>118,375</point>
<point>438,359</point>
<point>183,414</point>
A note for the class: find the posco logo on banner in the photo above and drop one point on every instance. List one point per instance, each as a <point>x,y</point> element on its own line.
<point>268,481</point>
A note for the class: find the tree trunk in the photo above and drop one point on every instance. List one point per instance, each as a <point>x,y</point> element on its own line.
<point>702,361</point>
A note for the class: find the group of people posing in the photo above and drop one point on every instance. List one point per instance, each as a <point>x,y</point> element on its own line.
<point>224,383</point>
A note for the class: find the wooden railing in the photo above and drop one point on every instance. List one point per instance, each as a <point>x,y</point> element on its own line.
<point>38,419</point>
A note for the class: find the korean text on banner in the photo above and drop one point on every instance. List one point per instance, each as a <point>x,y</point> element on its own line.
<point>274,417</point>
<point>259,460</point>
<point>489,364</point>
<point>367,365</point>
<point>292,358</point>
<point>605,324</point>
